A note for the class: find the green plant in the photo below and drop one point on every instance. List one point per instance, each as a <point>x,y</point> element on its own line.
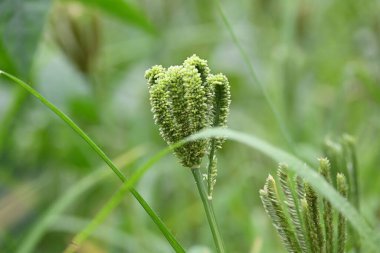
<point>305,221</point>
<point>342,154</point>
<point>163,228</point>
<point>186,99</point>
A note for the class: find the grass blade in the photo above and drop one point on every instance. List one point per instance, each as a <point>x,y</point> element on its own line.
<point>31,239</point>
<point>169,236</point>
<point>116,200</point>
<point>275,111</point>
<point>307,173</point>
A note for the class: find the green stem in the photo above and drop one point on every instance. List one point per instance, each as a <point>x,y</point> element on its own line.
<point>279,120</point>
<point>170,238</point>
<point>211,158</point>
<point>207,204</point>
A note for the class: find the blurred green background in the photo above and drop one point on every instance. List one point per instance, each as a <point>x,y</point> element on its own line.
<point>319,61</point>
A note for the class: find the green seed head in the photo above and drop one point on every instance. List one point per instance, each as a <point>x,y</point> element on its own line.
<point>186,99</point>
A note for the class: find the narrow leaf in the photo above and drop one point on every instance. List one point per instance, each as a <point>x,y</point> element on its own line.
<point>307,173</point>
<point>123,11</point>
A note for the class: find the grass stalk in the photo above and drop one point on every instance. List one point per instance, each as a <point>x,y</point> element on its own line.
<point>156,219</point>
<point>116,200</point>
<point>314,219</point>
<point>207,204</point>
<point>328,219</point>
<point>353,177</point>
<point>342,188</point>
<point>211,169</point>
<point>279,119</point>
<point>50,216</point>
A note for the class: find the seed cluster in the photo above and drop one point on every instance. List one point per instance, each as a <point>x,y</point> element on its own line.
<point>186,99</point>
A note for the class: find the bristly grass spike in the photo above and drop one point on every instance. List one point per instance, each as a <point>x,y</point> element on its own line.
<point>186,99</point>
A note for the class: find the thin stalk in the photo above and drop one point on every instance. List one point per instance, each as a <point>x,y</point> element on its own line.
<point>50,216</point>
<point>211,156</point>
<point>279,119</point>
<point>168,235</point>
<point>211,161</point>
<point>352,167</point>
<point>209,210</point>
<point>115,201</point>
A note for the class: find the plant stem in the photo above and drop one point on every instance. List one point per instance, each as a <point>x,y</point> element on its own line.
<point>211,158</point>
<point>277,115</point>
<point>156,219</point>
<point>207,204</point>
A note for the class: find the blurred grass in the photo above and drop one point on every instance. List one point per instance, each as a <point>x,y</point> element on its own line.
<point>319,62</point>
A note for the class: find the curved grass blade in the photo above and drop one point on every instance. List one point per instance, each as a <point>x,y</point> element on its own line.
<point>116,200</point>
<point>307,173</point>
<point>113,237</point>
<point>169,236</point>
<point>31,239</point>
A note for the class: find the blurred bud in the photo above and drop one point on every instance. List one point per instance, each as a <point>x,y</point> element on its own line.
<point>76,31</point>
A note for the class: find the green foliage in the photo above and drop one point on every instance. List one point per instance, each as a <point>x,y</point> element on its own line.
<point>270,198</point>
<point>342,188</point>
<point>185,100</point>
<point>171,239</point>
<point>343,153</point>
<point>325,171</point>
<point>77,33</point>
<point>122,10</point>
<point>299,71</point>
<point>21,26</point>
<point>305,234</point>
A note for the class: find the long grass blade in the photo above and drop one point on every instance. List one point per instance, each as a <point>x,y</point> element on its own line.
<point>296,165</point>
<point>31,239</point>
<point>115,200</point>
<point>307,173</point>
<point>156,219</point>
<point>280,121</point>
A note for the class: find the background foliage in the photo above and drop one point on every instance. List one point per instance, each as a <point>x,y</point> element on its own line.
<point>318,61</point>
